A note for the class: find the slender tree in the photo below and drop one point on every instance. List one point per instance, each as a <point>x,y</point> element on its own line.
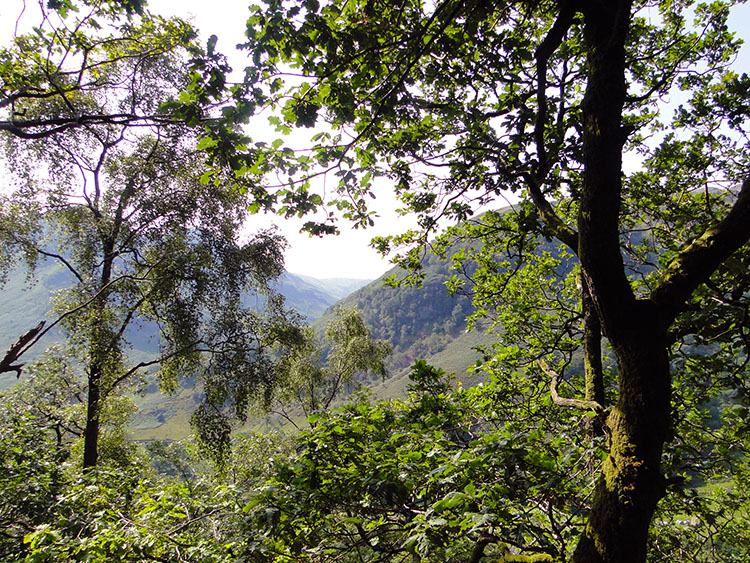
<point>79,51</point>
<point>120,204</point>
<point>316,375</point>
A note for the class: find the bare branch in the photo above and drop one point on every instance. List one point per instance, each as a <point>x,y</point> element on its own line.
<point>564,401</point>
<point>15,351</point>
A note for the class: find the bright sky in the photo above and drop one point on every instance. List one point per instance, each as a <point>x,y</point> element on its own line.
<point>347,255</point>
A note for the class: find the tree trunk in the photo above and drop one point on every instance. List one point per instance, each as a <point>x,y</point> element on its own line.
<point>592,350</point>
<point>99,349</point>
<point>91,434</point>
<point>631,482</point>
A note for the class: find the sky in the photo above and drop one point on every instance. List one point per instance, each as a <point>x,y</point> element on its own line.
<point>347,255</point>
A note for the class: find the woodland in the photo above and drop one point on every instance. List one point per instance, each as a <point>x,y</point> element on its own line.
<point>580,168</point>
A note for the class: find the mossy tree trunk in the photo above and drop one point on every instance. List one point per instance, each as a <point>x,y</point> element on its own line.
<point>631,482</point>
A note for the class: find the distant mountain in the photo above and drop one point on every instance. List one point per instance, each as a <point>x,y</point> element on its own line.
<point>419,322</point>
<point>312,296</point>
<point>24,302</point>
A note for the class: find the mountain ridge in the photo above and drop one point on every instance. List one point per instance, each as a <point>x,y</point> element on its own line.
<point>25,300</point>
<point>420,323</point>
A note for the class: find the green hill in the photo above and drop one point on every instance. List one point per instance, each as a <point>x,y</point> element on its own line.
<point>312,296</point>
<point>419,322</point>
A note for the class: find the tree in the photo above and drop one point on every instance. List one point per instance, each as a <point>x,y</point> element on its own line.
<point>78,52</point>
<point>315,376</point>
<point>51,512</point>
<point>496,472</point>
<point>120,204</point>
<point>462,102</point>
<point>442,475</point>
<point>32,477</point>
<point>60,62</point>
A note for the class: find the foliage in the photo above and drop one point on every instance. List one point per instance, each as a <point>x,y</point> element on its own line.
<point>490,472</point>
<point>52,395</point>
<point>51,511</point>
<point>619,293</point>
<point>31,478</point>
<point>69,58</point>
<point>314,376</point>
<point>480,474</point>
<point>416,478</point>
<point>110,515</point>
<point>121,205</point>
<point>461,103</point>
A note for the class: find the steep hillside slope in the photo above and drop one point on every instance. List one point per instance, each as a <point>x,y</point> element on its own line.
<point>419,322</point>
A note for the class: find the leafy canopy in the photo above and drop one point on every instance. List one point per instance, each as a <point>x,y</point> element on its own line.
<point>630,230</point>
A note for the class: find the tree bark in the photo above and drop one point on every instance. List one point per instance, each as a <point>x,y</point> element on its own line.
<point>592,349</point>
<point>631,484</point>
<point>91,433</point>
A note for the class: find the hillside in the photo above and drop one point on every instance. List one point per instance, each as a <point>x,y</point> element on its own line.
<point>23,303</point>
<point>419,322</point>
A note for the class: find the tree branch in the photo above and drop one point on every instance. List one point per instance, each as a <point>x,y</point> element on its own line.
<point>558,227</point>
<point>534,182</point>
<point>41,128</point>
<point>699,259</point>
<point>564,401</point>
<point>126,375</point>
<point>544,51</point>
<point>15,351</point>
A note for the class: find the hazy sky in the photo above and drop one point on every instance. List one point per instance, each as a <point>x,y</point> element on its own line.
<point>347,255</point>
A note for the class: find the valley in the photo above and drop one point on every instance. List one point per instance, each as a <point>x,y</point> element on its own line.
<point>419,323</point>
